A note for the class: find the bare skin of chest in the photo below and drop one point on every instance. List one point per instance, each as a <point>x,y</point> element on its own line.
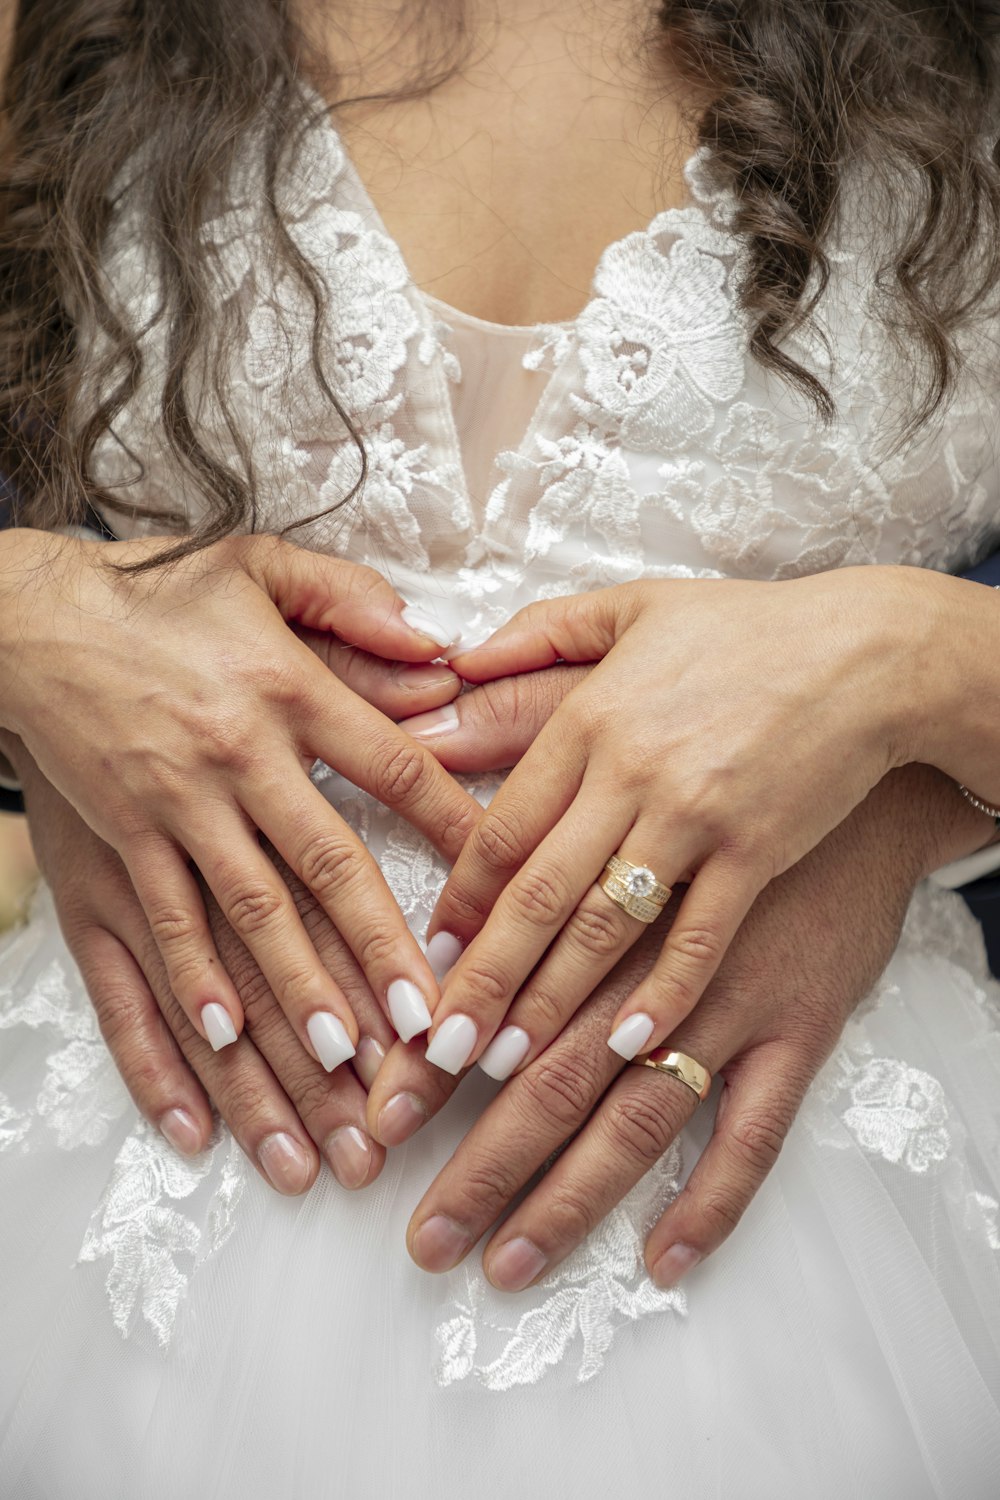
<point>562,130</point>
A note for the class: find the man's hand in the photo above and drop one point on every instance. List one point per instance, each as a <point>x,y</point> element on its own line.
<point>812,946</point>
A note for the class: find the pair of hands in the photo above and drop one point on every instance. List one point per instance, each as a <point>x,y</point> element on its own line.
<point>810,948</point>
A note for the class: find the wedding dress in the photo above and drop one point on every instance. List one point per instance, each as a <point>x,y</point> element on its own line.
<point>174,1328</point>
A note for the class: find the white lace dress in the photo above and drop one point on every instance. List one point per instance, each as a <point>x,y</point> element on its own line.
<point>172,1328</point>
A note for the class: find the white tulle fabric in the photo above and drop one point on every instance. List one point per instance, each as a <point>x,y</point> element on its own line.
<point>174,1328</point>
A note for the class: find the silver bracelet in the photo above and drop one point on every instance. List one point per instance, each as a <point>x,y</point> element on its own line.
<point>980,805</point>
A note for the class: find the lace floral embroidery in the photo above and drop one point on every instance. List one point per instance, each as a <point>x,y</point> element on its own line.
<point>899,1113</point>
<point>151,1245</point>
<point>602,1286</point>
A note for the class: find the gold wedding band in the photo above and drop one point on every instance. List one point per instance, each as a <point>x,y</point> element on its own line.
<point>679,1066</point>
<point>634,888</point>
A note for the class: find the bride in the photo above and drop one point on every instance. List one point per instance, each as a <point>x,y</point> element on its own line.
<point>599,390</point>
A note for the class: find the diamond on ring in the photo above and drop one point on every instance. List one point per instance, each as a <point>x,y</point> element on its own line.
<point>639,881</point>
<point>634,888</point>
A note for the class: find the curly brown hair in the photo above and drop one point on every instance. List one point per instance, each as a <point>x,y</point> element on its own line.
<point>793,91</point>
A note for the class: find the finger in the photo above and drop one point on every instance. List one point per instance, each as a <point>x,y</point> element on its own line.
<point>530,913</point>
<point>594,939</point>
<point>333,863</point>
<point>152,1067</point>
<point>532,1117</point>
<point>526,808</point>
<point>259,908</point>
<point>397,689</point>
<point>761,1098</point>
<point>709,916</point>
<point>242,1088</point>
<point>175,911</point>
<point>492,726</point>
<point>348,599</point>
<point>635,1124</point>
<point>331,1106</point>
<point>382,760</point>
<point>578,628</point>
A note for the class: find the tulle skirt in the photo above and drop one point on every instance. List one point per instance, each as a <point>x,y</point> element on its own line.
<point>171,1329</point>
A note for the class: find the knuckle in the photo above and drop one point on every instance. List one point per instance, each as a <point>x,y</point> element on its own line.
<point>327,863</point>
<point>399,773</point>
<point>720,1212</point>
<point>311,1092</point>
<point>455,824</point>
<point>756,1141</point>
<point>172,926</point>
<point>546,1009</point>
<point>486,1187</point>
<point>571,1214</point>
<point>562,1089</point>
<point>253,989</point>
<point>598,932</point>
<point>642,1126</point>
<point>375,950</point>
<point>252,908</point>
<point>496,842</point>
<point>539,897</point>
<point>487,986</point>
<point>702,946</point>
<point>223,743</point>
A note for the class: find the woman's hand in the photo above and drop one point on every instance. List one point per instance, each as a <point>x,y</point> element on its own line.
<point>811,947</point>
<point>178,713</point>
<point>282,1107</point>
<point>727,729</point>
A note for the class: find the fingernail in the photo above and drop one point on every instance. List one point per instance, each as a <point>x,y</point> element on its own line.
<point>218,1024</point>
<point>370,1057</point>
<point>431,726</point>
<point>329,1038</point>
<point>426,624</point>
<point>514,1265</point>
<point>507,1050</point>
<point>181,1131</point>
<point>453,1043</point>
<point>284,1161</point>
<point>442,953</point>
<point>440,1243</point>
<point>673,1264</point>
<point>408,1008</point>
<point>631,1036</point>
<point>400,1118</point>
<point>349,1152</point>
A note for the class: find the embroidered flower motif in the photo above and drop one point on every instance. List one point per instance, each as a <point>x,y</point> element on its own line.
<point>899,1113</point>
<point>601,1286</point>
<point>145,1239</point>
<point>14,1125</point>
<point>660,344</point>
<point>415,873</point>
<point>82,1095</point>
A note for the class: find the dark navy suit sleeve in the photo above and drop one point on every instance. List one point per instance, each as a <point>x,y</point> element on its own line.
<point>983,896</point>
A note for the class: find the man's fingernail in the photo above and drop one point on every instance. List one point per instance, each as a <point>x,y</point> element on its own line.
<point>631,1036</point>
<point>349,1152</point>
<point>442,953</point>
<point>440,1243</point>
<point>400,1118</point>
<point>425,677</point>
<point>433,725</point>
<point>285,1162</point>
<point>515,1264</point>
<point>673,1264</point>
<point>218,1024</point>
<point>181,1131</point>
<point>426,624</point>
<point>507,1051</point>
<point>453,1043</point>
<point>329,1038</point>
<point>370,1057</point>
<point>407,1008</point>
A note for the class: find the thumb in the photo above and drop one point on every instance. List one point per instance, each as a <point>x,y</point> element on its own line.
<point>582,627</point>
<point>490,727</point>
<point>348,599</point>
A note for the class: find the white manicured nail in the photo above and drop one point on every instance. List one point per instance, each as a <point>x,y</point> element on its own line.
<point>442,953</point>
<point>218,1024</point>
<point>425,624</point>
<point>631,1036</point>
<point>330,1041</point>
<point>452,1044</point>
<point>507,1049</point>
<point>408,1008</point>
